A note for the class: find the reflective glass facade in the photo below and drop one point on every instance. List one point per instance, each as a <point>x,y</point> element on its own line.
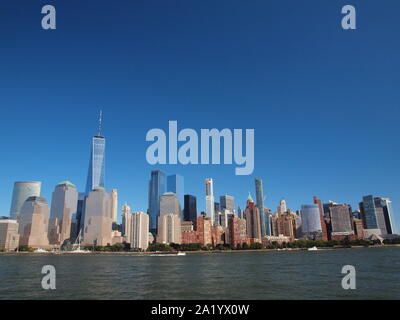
<point>22,191</point>
<point>157,187</point>
<point>96,173</point>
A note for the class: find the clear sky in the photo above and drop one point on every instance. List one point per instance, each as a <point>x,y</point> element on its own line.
<point>324,102</point>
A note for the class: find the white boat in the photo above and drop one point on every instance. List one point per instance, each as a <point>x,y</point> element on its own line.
<point>181,254</point>
<point>312,248</point>
<point>76,248</point>
<point>168,254</point>
<point>40,250</point>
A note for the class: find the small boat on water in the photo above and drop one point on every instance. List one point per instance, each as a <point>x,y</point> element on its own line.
<point>40,250</point>
<point>166,254</point>
<point>76,248</point>
<point>312,248</point>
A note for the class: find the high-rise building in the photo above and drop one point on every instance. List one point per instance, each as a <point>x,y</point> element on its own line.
<point>34,222</point>
<point>175,184</point>
<point>227,202</point>
<point>169,229</point>
<point>217,213</point>
<point>368,212</point>
<point>224,215</point>
<point>264,218</point>
<point>169,203</point>
<point>233,232</point>
<point>9,237</point>
<point>388,214</point>
<point>282,207</point>
<point>80,214</point>
<point>204,233</point>
<point>98,218</point>
<point>311,221</point>
<point>157,188</point>
<point>114,195</point>
<point>321,217</point>
<point>210,200</point>
<point>63,206</point>
<point>253,222</point>
<point>284,224</point>
<point>341,220</point>
<point>96,172</point>
<point>22,191</point>
<point>190,210</point>
<point>139,237</point>
<point>240,213</point>
<point>126,219</point>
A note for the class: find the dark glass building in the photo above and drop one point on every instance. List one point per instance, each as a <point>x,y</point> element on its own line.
<point>190,209</point>
<point>157,187</point>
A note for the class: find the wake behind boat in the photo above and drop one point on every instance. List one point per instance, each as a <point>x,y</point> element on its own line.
<point>166,254</point>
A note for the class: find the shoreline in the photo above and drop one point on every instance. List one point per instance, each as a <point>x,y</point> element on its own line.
<point>193,252</point>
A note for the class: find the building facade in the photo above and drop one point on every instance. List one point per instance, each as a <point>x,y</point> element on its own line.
<point>169,229</point>
<point>157,187</point>
<point>21,192</point>
<point>9,237</point>
<point>311,222</point>
<point>210,200</point>
<point>34,222</point>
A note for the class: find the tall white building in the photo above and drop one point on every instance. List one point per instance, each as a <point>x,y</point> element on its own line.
<point>98,218</point>
<point>126,220</point>
<point>139,237</point>
<point>210,200</point>
<point>63,206</point>
<point>169,229</point>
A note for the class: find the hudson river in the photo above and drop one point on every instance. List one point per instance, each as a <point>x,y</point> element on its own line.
<point>216,276</point>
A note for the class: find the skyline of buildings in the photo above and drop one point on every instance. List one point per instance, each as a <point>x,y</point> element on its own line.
<point>172,215</point>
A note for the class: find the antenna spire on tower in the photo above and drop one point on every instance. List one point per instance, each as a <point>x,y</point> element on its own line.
<point>100,119</point>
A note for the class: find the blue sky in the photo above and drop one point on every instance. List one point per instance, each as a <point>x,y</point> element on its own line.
<point>324,102</point>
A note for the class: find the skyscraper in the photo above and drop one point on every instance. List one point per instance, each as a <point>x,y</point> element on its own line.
<point>157,187</point>
<point>311,222</point>
<point>368,212</point>
<point>34,222</point>
<point>341,220</point>
<point>98,217</point>
<point>227,202</point>
<point>169,203</point>
<point>169,229</point>
<point>321,217</point>
<point>96,172</point>
<point>175,184</point>
<point>139,236</point>
<point>190,210</point>
<point>390,222</point>
<point>253,221</point>
<point>265,218</point>
<point>210,200</point>
<point>9,237</point>
<point>22,191</point>
<point>63,206</point>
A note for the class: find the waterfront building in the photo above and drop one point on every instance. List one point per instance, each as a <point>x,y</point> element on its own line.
<point>169,229</point>
<point>359,228</point>
<point>175,184</point>
<point>126,219</point>
<point>33,223</point>
<point>253,223</point>
<point>284,224</point>
<point>388,214</point>
<point>186,226</point>
<point>114,196</point>
<point>218,235</point>
<point>21,192</point>
<point>80,215</point>
<point>341,220</point>
<point>204,230</point>
<point>9,237</point>
<point>210,200</point>
<point>190,209</point>
<point>223,217</point>
<point>169,203</point>
<point>233,231</point>
<point>242,230</point>
<point>98,218</point>
<point>217,213</point>
<point>157,187</point>
<point>321,217</point>
<point>267,240</point>
<point>139,231</point>
<point>96,171</point>
<point>368,212</point>
<point>64,204</point>
<point>311,222</point>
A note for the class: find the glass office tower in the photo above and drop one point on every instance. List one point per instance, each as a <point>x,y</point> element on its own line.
<point>265,224</point>
<point>96,173</point>
<point>157,187</point>
<point>175,184</point>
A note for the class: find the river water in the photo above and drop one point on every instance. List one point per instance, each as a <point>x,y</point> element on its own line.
<point>215,276</point>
